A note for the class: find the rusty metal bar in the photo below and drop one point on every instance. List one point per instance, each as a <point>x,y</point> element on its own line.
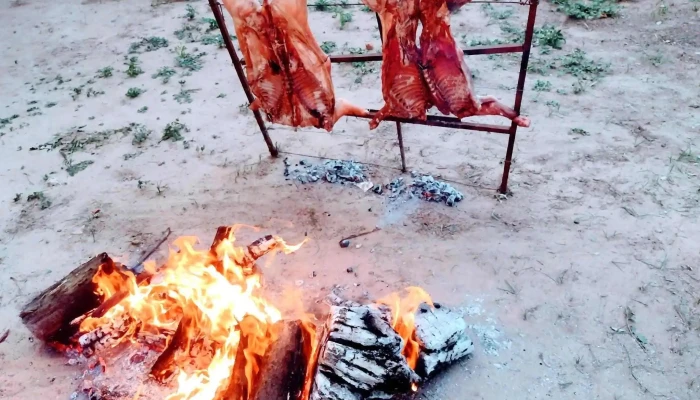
<point>218,15</point>
<point>446,122</point>
<point>469,51</point>
<point>529,31</point>
<point>524,3</point>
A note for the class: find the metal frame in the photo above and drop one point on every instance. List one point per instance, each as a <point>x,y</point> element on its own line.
<point>446,122</point>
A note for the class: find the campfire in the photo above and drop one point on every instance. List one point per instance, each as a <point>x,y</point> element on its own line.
<point>199,327</point>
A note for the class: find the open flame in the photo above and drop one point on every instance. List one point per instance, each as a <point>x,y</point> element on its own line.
<point>211,299</point>
<point>404,307</point>
<point>214,297</point>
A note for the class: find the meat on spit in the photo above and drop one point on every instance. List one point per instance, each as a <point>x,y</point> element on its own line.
<point>404,91</point>
<point>288,72</point>
<point>446,73</point>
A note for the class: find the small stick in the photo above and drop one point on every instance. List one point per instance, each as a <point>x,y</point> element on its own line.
<point>360,234</point>
<point>4,336</point>
<point>153,250</point>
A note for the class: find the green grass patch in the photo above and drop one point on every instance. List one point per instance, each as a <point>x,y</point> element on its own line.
<point>329,47</point>
<point>189,61</point>
<point>588,9</point>
<point>134,67</point>
<point>134,92</point>
<point>173,131</point>
<point>105,72</point>
<point>148,44</point>
<point>165,73</point>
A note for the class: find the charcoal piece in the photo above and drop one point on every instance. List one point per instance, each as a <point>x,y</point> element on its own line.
<point>442,336</point>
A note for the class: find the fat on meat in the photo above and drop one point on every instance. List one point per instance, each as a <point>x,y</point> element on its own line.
<point>288,72</point>
<point>403,88</point>
<point>446,73</point>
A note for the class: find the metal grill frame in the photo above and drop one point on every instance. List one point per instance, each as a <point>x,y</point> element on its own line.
<point>439,121</point>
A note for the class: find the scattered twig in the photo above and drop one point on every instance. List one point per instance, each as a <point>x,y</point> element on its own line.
<point>631,368</point>
<point>512,290</point>
<point>360,234</point>
<point>153,250</point>
<point>4,335</point>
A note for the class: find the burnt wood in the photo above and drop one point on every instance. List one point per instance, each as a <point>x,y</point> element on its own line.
<point>49,314</point>
<point>360,357</point>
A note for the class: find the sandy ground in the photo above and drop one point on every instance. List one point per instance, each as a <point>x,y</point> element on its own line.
<point>598,222</point>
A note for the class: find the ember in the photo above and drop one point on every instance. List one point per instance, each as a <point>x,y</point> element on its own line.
<point>199,325</point>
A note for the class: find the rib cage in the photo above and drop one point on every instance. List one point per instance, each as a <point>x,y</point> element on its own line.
<point>288,72</point>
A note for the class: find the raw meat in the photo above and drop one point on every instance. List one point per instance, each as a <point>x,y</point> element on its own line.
<point>404,91</point>
<point>288,72</point>
<point>445,72</point>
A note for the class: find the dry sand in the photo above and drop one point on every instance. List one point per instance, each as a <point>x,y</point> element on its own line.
<point>597,223</point>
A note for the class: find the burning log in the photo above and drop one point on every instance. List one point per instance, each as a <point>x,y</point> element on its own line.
<point>361,357</point>
<point>48,315</point>
<point>441,334</point>
<point>165,366</point>
<point>252,253</point>
<point>281,369</point>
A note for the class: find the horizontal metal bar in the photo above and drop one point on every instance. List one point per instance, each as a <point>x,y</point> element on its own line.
<point>446,122</point>
<point>470,51</point>
<point>474,2</point>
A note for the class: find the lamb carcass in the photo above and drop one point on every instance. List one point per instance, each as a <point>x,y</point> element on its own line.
<point>446,73</point>
<point>288,72</point>
<point>404,91</point>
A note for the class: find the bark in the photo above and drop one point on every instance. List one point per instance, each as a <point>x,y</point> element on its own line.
<point>442,336</point>
<point>48,316</point>
<point>361,357</point>
<point>281,369</point>
<point>165,366</point>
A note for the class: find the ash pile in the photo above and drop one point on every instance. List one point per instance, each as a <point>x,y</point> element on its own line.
<point>333,171</point>
<point>423,186</point>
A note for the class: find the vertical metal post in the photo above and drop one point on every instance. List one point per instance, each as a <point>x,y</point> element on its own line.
<point>529,31</point>
<point>403,156</point>
<point>219,16</point>
<point>398,124</point>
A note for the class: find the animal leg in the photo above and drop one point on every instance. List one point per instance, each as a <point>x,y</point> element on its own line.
<point>491,106</point>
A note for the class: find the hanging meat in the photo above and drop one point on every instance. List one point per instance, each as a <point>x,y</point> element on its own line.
<point>405,94</point>
<point>288,72</point>
<point>446,73</point>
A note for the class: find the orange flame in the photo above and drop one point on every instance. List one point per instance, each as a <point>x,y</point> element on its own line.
<point>217,292</point>
<point>404,307</point>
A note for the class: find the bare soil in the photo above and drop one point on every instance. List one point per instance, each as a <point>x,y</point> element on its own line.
<point>601,221</point>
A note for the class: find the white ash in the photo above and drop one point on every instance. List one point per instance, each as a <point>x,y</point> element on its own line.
<point>333,171</point>
<point>427,188</point>
<point>491,338</point>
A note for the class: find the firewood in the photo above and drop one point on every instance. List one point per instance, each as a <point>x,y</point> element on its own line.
<point>442,336</point>
<point>48,316</point>
<point>164,366</point>
<point>361,357</point>
<point>281,369</point>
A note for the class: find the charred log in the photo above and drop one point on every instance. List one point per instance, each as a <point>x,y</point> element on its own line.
<point>361,357</point>
<point>165,366</point>
<point>283,367</point>
<point>280,370</point>
<point>441,334</point>
<point>48,316</point>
